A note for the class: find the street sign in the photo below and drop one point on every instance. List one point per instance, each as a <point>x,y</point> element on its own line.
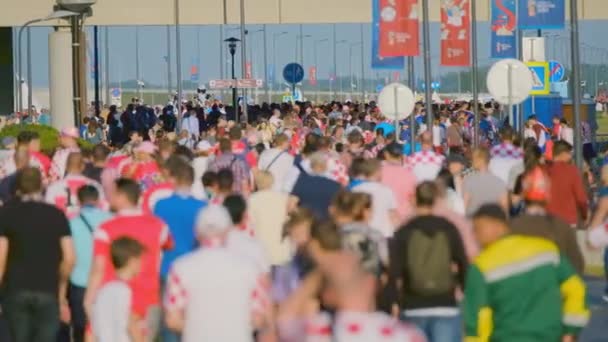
<point>115,92</point>
<point>379,88</point>
<point>556,71</point>
<point>533,49</point>
<point>396,101</point>
<point>541,85</point>
<point>509,81</point>
<point>242,83</point>
<point>435,85</point>
<point>293,73</point>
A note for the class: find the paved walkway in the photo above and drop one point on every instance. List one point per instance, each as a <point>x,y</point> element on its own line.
<point>597,330</point>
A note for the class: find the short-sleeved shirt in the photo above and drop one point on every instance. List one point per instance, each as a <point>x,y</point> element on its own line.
<point>111,312</point>
<point>483,188</point>
<point>34,231</point>
<point>315,193</point>
<point>238,166</point>
<point>383,202</point>
<point>426,165</point>
<point>64,193</point>
<point>149,231</point>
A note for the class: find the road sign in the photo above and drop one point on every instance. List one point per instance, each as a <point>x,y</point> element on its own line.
<point>556,71</point>
<point>541,85</point>
<point>435,85</point>
<point>379,88</point>
<point>242,83</point>
<point>115,92</point>
<point>533,49</point>
<point>509,81</point>
<point>293,73</point>
<point>396,101</point>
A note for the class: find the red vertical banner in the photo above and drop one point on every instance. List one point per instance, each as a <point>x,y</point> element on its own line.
<point>455,33</point>
<point>312,75</point>
<point>396,76</point>
<point>248,73</point>
<point>398,28</point>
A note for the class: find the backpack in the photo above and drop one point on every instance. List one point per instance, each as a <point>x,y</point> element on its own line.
<point>429,263</point>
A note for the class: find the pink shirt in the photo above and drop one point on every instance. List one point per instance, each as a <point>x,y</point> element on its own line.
<point>402,181</point>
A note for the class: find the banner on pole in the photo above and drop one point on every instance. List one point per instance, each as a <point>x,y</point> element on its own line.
<point>270,76</point>
<point>378,61</point>
<point>248,74</point>
<point>398,28</point>
<point>312,75</point>
<point>455,33</point>
<point>504,26</point>
<point>396,76</point>
<point>194,75</point>
<point>541,14</point>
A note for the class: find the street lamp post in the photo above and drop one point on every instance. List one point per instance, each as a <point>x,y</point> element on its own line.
<point>317,42</point>
<point>57,14</point>
<point>232,49</point>
<point>300,43</point>
<point>336,65</point>
<point>274,57</point>
<point>350,67</point>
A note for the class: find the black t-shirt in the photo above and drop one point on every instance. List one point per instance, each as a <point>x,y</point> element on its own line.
<point>93,172</point>
<point>34,231</point>
<point>315,193</point>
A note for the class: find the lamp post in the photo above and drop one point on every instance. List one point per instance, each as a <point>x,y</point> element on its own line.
<point>350,67</point>
<point>274,57</point>
<point>232,49</point>
<point>300,43</point>
<point>343,41</point>
<point>58,14</point>
<point>317,42</point>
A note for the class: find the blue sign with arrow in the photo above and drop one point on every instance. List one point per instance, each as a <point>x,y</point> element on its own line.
<point>293,73</point>
<point>556,71</point>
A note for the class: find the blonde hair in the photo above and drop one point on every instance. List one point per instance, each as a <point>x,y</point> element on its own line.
<point>263,179</point>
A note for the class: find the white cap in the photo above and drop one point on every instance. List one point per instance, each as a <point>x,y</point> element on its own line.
<point>203,146</point>
<point>213,220</point>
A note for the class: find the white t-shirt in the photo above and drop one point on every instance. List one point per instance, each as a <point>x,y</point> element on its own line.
<point>437,135</point>
<point>242,244</point>
<point>199,164</point>
<point>278,162</point>
<point>218,292</point>
<point>111,312</point>
<point>383,202</point>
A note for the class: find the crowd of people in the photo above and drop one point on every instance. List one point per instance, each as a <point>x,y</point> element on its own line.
<point>305,223</point>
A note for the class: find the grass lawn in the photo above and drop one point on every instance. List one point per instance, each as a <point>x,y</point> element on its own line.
<point>602,122</point>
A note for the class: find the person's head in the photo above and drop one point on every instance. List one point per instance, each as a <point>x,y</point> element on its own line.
<point>69,137</point>
<point>88,195</point>
<point>180,172</point>
<point>225,146</point>
<point>536,188</point>
<point>564,122</point>
<point>75,163</point>
<point>481,158</point>
<point>126,254</point>
<point>349,207</point>
<point>532,157</point>
<point>444,181</point>
<point>426,140</point>
<point>281,141</point>
<point>489,224</point>
<point>393,152</point>
<point>456,164</point>
<point>24,138</point>
<point>136,137</point>
<point>126,194</point>
<point>235,133</point>
<point>263,180</point>
<point>213,222</point>
<point>237,207</point>
<point>506,134</point>
<point>298,227</point>
<point>34,144</point>
<point>368,169</point>
<point>28,182</point>
<point>166,148</point>
<point>427,194</point>
<point>100,154</point>
<point>22,157</point>
<point>556,120</point>
<point>225,181</point>
<point>355,139</point>
<point>562,151</point>
<point>318,163</point>
<point>324,236</point>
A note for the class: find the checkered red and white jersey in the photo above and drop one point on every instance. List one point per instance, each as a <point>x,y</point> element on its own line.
<point>336,170</point>
<point>426,165</point>
<point>506,150</point>
<point>37,160</point>
<point>59,163</point>
<point>363,327</point>
<point>64,194</point>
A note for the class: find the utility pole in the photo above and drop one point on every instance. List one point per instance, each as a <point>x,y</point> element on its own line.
<point>243,59</point>
<point>106,47</point>
<point>576,81</point>
<point>169,80</point>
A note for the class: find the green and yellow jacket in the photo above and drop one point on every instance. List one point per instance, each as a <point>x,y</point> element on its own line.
<point>521,289</point>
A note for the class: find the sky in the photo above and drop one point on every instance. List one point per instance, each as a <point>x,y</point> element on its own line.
<point>203,42</point>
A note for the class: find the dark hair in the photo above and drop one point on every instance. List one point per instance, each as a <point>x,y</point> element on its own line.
<point>236,206</point>
<point>560,147</point>
<point>426,194</point>
<point>180,170</point>
<point>492,211</point>
<point>88,194</point>
<point>327,234</point>
<point>225,179</point>
<point>28,181</point>
<point>446,179</point>
<point>364,167</point>
<point>209,178</point>
<point>24,137</point>
<point>100,153</point>
<point>129,188</point>
<point>124,249</point>
<point>225,145</point>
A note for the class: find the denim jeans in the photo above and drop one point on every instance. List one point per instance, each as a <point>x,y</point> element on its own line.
<point>32,316</point>
<point>438,328</point>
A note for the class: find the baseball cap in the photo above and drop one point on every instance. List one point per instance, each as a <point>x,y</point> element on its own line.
<point>145,147</point>
<point>213,220</point>
<point>203,146</point>
<point>70,132</point>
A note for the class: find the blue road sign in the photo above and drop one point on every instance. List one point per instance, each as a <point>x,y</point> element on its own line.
<point>379,88</point>
<point>115,92</point>
<point>540,78</point>
<point>556,71</point>
<point>435,85</point>
<point>293,73</point>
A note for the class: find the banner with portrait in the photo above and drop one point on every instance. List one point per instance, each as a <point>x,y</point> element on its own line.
<point>455,33</point>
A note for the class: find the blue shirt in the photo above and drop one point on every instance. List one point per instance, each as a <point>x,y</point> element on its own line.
<point>82,238</point>
<point>44,119</point>
<point>179,212</point>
